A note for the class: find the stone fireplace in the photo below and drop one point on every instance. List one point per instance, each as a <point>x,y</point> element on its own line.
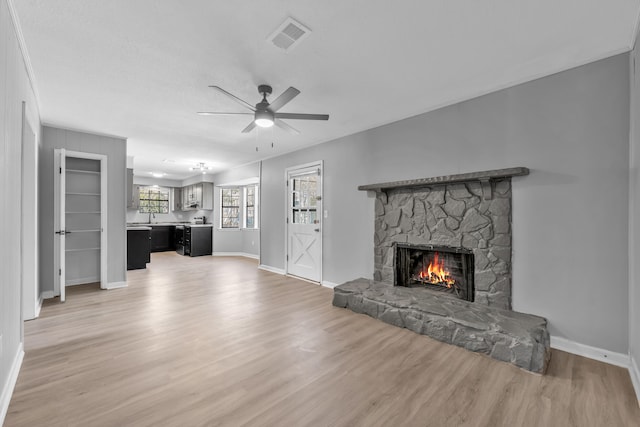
<point>442,266</point>
<point>468,216</point>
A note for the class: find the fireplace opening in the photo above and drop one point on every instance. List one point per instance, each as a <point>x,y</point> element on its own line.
<point>440,268</point>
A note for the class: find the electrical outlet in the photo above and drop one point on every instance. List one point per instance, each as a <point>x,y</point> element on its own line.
<point>326,213</point>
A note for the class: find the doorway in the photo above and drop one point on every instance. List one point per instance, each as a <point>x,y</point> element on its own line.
<point>304,222</point>
<point>80,219</point>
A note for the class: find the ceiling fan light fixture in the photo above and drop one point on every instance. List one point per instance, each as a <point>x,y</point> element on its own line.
<point>264,118</point>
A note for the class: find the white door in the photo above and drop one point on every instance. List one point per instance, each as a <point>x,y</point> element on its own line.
<point>80,219</point>
<point>304,225</point>
<point>60,220</point>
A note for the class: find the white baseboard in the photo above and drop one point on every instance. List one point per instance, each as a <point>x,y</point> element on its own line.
<point>115,285</point>
<point>635,376</point>
<point>7,389</point>
<point>38,307</point>
<point>328,284</point>
<point>48,295</point>
<point>606,356</point>
<point>271,269</point>
<point>244,254</point>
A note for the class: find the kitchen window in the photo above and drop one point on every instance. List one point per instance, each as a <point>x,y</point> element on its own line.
<point>154,200</point>
<point>230,208</point>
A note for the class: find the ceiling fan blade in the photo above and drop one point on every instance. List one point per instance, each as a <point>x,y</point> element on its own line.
<point>235,98</point>
<point>284,98</point>
<point>215,113</point>
<point>285,126</point>
<point>249,128</point>
<point>299,116</point>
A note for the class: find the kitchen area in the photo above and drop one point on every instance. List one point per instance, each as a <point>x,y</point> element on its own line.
<point>167,215</point>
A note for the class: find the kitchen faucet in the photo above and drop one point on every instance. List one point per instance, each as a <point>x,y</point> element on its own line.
<point>150,214</point>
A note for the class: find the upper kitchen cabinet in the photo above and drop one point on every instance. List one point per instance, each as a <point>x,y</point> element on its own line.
<point>133,192</point>
<point>197,196</point>
<point>176,199</point>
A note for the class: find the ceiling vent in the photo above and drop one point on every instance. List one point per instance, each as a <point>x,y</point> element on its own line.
<point>289,34</point>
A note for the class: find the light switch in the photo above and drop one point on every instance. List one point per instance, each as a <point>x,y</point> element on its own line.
<point>326,214</point>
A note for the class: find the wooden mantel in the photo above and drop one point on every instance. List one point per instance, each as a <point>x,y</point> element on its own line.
<point>484,177</point>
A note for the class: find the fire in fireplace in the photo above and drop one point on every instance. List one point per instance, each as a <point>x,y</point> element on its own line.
<point>439,268</point>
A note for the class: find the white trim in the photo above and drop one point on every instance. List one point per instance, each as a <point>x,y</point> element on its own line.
<point>25,53</point>
<point>634,372</point>
<point>328,284</point>
<point>48,295</point>
<point>271,269</point>
<point>243,254</point>
<point>39,306</point>
<point>7,389</point>
<point>104,200</point>
<point>595,353</point>
<point>115,285</point>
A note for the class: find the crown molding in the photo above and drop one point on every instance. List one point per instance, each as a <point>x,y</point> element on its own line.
<point>23,49</point>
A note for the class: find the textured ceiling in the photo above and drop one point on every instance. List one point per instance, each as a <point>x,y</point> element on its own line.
<point>140,69</point>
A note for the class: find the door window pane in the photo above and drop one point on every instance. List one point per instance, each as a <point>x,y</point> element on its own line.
<point>304,199</point>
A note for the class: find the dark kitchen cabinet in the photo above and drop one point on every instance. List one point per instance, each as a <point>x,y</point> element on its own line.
<point>163,238</point>
<point>197,240</point>
<point>138,247</point>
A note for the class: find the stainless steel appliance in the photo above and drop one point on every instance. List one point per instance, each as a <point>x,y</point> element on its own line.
<point>198,220</point>
<point>181,248</point>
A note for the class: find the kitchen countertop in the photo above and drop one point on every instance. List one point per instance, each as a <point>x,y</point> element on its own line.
<point>146,224</point>
<point>137,228</point>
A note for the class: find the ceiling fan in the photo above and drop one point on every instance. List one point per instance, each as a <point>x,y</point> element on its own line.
<point>265,113</point>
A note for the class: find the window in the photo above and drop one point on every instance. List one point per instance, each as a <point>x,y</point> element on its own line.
<point>154,200</point>
<point>304,199</point>
<point>250,205</point>
<point>239,207</point>
<point>230,208</point>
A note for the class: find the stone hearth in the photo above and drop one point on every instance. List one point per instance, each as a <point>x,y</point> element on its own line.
<point>517,338</point>
<point>469,213</point>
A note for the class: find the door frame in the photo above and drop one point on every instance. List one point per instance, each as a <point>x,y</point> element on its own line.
<point>58,152</point>
<point>319,164</point>
<point>29,259</point>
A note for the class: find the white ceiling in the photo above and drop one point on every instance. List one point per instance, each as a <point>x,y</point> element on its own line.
<point>140,69</point>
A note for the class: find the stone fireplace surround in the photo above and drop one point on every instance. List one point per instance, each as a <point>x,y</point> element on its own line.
<point>470,211</point>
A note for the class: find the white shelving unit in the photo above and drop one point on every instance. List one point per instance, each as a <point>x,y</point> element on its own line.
<point>83,221</point>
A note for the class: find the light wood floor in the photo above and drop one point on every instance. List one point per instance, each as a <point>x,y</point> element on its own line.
<point>217,342</point>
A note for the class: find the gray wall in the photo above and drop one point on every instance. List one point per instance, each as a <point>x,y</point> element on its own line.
<point>115,149</point>
<point>634,211</point>
<point>569,215</point>
<point>15,88</point>
<point>240,241</point>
